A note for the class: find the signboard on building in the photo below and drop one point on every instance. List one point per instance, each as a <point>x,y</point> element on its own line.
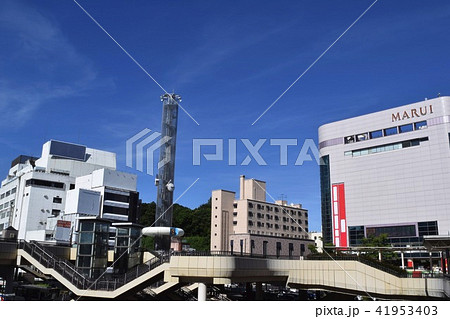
<point>62,231</point>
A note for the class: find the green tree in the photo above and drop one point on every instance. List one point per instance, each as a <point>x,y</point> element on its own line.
<point>313,249</point>
<point>379,241</point>
<point>196,223</point>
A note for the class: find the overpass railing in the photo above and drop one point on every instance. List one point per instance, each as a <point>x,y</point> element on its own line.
<point>229,253</point>
<point>391,269</point>
<point>71,273</point>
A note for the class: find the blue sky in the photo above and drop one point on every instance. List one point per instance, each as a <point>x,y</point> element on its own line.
<point>62,77</point>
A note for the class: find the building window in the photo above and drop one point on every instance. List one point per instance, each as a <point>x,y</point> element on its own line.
<point>43,183</point>
<point>420,125</point>
<point>72,186</point>
<point>356,235</point>
<point>57,200</point>
<point>234,222</point>
<point>349,139</point>
<point>405,128</point>
<point>278,245</point>
<point>55,212</point>
<point>235,205</point>
<point>427,228</point>
<point>390,131</point>
<point>250,223</point>
<point>117,197</point>
<point>115,210</point>
<point>265,248</point>
<point>234,213</point>
<point>250,214</point>
<point>302,249</point>
<point>325,194</point>
<point>250,205</point>
<point>361,137</point>
<point>376,134</point>
<point>392,231</point>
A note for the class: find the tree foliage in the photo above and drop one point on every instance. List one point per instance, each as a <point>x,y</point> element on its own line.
<point>379,241</point>
<point>196,223</point>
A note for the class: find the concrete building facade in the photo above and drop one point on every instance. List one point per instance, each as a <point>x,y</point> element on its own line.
<point>251,225</point>
<point>387,172</point>
<point>43,197</point>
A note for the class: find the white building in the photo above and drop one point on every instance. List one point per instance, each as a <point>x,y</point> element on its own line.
<point>42,197</point>
<point>317,237</point>
<point>387,172</point>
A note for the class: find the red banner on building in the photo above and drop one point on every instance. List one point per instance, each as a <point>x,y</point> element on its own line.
<point>339,216</point>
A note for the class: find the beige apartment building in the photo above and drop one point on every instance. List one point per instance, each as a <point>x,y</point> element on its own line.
<point>250,225</point>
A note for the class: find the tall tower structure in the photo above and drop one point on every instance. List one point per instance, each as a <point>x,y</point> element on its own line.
<point>166,167</point>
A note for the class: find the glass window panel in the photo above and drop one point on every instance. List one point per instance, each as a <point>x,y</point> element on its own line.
<point>84,261</point>
<point>405,128</point>
<point>390,131</point>
<point>122,231</point>
<point>87,226</point>
<point>420,125</point>
<point>86,238</point>
<point>349,139</point>
<point>376,134</point>
<point>361,137</point>
<point>85,249</point>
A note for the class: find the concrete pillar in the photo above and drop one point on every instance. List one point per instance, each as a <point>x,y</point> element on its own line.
<point>259,291</point>
<point>431,262</point>
<point>242,187</point>
<point>402,254</point>
<point>201,292</point>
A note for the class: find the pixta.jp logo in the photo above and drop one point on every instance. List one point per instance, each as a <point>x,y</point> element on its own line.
<point>148,142</point>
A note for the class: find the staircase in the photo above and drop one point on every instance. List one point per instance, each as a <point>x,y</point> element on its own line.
<point>46,262</point>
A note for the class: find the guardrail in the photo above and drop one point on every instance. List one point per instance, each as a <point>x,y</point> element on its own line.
<point>393,270</point>
<point>49,260</point>
<point>74,276</point>
<point>233,254</point>
<point>373,263</point>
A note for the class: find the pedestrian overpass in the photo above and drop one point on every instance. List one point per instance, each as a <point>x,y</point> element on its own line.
<point>351,275</point>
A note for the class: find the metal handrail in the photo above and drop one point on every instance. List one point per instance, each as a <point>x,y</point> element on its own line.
<point>372,263</point>
<point>72,273</point>
<point>220,253</point>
